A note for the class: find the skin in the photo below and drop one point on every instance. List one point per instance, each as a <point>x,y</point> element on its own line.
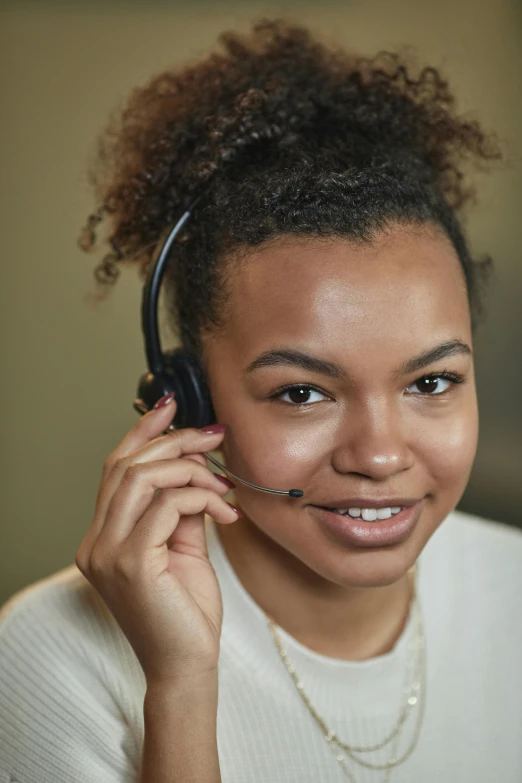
<point>368,309</point>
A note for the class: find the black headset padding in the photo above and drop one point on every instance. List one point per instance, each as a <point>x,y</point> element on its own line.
<point>186,370</point>
<point>184,376</point>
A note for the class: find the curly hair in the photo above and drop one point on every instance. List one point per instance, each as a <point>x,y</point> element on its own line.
<point>282,134</point>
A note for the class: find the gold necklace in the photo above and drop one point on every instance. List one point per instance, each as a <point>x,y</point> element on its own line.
<point>415,694</point>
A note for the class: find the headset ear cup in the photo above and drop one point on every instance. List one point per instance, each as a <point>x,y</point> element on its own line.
<point>194,404</point>
<point>151,387</point>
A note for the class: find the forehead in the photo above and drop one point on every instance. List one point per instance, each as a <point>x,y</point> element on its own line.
<point>303,289</point>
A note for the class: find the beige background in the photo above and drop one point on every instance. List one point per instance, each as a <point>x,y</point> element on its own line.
<point>70,373</point>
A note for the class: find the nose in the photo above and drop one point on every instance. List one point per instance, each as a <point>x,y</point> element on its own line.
<point>373,441</point>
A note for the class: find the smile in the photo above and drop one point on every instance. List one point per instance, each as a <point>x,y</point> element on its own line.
<point>367,514</point>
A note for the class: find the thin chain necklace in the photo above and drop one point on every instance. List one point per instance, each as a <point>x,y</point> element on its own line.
<point>414,692</point>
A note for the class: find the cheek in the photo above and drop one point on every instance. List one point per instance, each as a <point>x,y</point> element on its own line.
<point>448,450</point>
<point>279,457</point>
<point>275,458</point>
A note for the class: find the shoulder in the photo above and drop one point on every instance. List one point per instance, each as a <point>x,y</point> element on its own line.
<point>481,558</point>
<point>65,594</point>
<point>62,626</point>
<point>64,614</point>
<point>68,682</point>
<point>55,611</point>
<point>485,539</point>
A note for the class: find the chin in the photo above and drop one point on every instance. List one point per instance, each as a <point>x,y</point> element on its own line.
<point>358,567</point>
<point>373,569</point>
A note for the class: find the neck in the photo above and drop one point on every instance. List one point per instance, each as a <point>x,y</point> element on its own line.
<point>350,623</point>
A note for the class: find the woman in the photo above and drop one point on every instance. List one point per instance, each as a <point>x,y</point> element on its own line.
<point>366,630</point>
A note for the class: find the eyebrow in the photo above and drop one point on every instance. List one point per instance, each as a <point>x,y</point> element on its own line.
<point>293,358</point>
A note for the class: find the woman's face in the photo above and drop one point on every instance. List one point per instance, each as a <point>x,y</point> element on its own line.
<point>368,427</point>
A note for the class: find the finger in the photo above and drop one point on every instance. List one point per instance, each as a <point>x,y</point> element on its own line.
<point>160,447</point>
<point>175,445</point>
<point>149,426</point>
<point>201,458</point>
<point>176,518</point>
<point>182,508</point>
<point>137,491</point>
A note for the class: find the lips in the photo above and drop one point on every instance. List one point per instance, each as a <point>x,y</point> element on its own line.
<point>382,532</point>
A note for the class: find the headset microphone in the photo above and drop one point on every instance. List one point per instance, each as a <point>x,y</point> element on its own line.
<point>176,370</point>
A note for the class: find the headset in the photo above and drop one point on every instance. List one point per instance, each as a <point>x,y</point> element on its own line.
<point>177,370</point>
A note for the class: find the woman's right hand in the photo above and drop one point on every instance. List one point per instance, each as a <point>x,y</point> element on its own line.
<point>146,554</point>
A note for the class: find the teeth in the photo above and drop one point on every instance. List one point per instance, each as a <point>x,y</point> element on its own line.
<point>369,514</point>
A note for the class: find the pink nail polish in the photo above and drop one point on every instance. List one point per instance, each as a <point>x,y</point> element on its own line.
<point>238,512</point>
<point>225,481</point>
<point>164,400</point>
<point>213,429</point>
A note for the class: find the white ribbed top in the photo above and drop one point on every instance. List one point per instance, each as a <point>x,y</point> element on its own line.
<point>71,688</point>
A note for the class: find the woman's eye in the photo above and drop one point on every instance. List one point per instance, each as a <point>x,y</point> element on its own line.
<point>298,395</point>
<point>432,385</point>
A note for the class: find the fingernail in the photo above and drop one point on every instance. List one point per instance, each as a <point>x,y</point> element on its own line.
<point>225,481</point>
<point>164,400</point>
<point>238,512</point>
<point>213,429</point>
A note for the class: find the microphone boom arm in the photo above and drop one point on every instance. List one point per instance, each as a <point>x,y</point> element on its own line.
<point>293,493</point>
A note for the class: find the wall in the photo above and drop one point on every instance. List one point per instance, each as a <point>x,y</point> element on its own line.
<point>70,372</point>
